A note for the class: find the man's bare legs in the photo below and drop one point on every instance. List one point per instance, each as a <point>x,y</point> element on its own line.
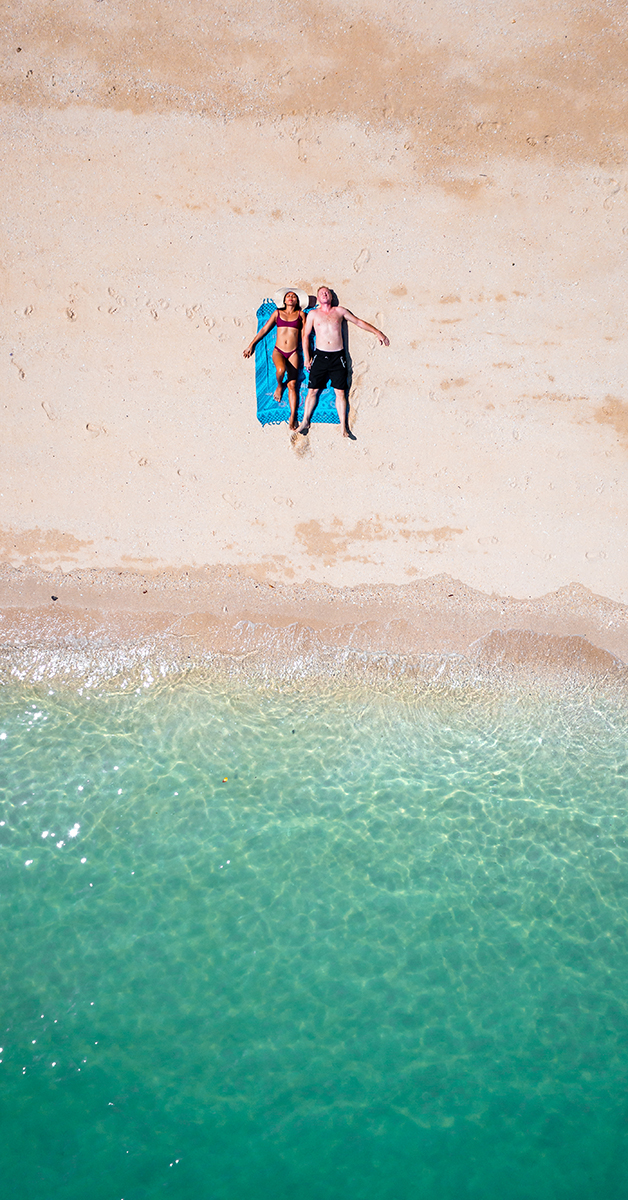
<point>310,404</point>
<point>342,408</point>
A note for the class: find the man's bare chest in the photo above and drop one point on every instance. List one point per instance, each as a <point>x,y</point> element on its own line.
<point>327,326</point>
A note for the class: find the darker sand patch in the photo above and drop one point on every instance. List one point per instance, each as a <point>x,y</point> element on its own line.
<point>40,541</point>
<point>336,540</point>
<point>614,412</point>
<point>556,397</point>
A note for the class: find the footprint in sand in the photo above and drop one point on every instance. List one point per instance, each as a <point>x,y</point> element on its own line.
<point>187,476</point>
<point>301,445</point>
<point>356,394</point>
<point>614,186</point>
<point>21,372</point>
<point>359,371</point>
<point>138,458</point>
<point>376,395</point>
<point>361,260</point>
<point>283,500</point>
<point>95,430</point>
<point>49,410</point>
<point>209,322</point>
<point>229,499</point>
<point>153,307</point>
<point>595,555</point>
<point>488,541</point>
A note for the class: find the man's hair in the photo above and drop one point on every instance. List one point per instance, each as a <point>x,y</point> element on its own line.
<point>327,289</point>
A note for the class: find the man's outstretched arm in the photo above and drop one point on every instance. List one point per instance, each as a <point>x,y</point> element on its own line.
<point>381,337</point>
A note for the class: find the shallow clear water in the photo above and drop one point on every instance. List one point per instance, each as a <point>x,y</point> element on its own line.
<point>386,958</point>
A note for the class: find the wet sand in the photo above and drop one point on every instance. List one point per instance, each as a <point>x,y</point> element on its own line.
<point>461,181</point>
<point>99,624</point>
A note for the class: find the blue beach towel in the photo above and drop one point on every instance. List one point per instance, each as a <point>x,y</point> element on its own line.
<point>268,411</point>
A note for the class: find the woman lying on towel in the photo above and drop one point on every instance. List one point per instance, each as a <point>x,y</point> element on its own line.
<point>289,319</point>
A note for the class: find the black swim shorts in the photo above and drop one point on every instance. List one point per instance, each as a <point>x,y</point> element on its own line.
<point>328,365</point>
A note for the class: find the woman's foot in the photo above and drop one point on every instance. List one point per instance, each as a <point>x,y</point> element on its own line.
<point>278,392</point>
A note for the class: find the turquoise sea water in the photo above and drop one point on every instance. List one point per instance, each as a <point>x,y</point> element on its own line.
<point>263,943</point>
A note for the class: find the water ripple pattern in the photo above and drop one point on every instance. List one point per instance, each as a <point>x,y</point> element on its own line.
<point>269,942</point>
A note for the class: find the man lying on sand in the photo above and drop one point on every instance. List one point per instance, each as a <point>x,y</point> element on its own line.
<point>329,361</point>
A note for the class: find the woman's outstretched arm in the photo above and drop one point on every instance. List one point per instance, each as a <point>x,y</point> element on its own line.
<point>272,320</point>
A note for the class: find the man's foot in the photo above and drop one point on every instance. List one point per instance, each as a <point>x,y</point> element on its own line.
<point>348,434</point>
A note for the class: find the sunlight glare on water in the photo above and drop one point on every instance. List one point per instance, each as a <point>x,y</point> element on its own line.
<point>322,943</point>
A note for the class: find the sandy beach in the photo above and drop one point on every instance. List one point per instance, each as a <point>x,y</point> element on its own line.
<point>461,182</point>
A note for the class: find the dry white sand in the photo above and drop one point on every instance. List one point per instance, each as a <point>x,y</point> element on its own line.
<point>458,175</point>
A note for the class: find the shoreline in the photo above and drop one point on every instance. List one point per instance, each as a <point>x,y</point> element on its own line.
<point>191,618</point>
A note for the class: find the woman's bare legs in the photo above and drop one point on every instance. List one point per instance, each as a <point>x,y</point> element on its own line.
<point>280,367</point>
